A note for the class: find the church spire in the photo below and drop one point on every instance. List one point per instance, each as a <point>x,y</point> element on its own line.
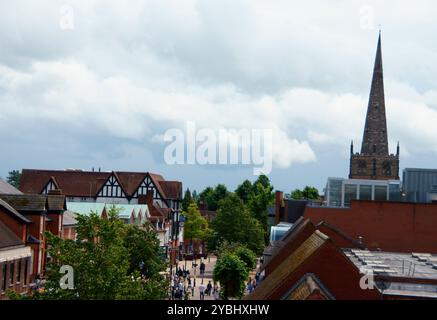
<point>374,162</point>
<point>375,140</point>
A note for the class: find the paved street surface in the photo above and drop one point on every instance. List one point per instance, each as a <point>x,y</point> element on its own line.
<point>195,273</point>
<point>209,267</point>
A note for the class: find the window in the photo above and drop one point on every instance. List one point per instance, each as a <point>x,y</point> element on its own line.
<point>380,193</point>
<point>11,274</point>
<point>26,261</point>
<point>394,192</point>
<point>374,148</point>
<point>334,192</point>
<point>19,271</point>
<point>350,193</point>
<point>365,192</point>
<point>3,284</point>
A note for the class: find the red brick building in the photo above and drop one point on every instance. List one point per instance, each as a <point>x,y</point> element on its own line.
<point>15,256</point>
<point>311,265</point>
<point>33,216</point>
<point>389,226</point>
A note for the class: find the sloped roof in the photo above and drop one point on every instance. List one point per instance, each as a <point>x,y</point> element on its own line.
<point>309,287</point>
<point>6,188</point>
<point>172,189</point>
<point>26,202</point>
<point>339,237</point>
<point>77,183</point>
<point>8,238</point>
<point>72,183</point>
<point>276,247</point>
<point>288,265</point>
<point>14,213</point>
<point>69,218</point>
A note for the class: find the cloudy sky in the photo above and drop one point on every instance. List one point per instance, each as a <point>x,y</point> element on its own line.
<point>96,83</point>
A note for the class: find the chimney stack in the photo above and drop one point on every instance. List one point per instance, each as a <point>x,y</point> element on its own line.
<point>279,196</point>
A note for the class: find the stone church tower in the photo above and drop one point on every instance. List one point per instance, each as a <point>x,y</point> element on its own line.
<point>374,160</point>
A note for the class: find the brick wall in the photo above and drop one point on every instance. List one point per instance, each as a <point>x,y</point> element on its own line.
<point>390,226</point>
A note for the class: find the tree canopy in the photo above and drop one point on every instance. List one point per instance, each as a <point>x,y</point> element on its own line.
<point>235,224</point>
<point>232,274</point>
<point>308,193</point>
<point>195,226</point>
<point>187,200</point>
<point>211,197</point>
<point>13,178</point>
<point>111,260</point>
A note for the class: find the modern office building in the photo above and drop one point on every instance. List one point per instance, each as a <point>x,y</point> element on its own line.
<point>339,191</point>
<point>420,185</point>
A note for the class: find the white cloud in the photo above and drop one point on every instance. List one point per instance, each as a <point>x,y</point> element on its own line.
<point>302,70</point>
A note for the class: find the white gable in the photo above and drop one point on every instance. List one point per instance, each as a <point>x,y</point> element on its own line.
<point>112,189</point>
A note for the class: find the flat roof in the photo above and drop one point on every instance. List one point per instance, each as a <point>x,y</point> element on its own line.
<point>402,265</point>
<point>415,266</point>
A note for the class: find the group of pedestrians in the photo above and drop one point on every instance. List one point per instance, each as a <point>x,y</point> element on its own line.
<point>182,285</point>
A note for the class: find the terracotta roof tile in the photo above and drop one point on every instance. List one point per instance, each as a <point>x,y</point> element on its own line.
<point>88,183</point>
<point>172,189</point>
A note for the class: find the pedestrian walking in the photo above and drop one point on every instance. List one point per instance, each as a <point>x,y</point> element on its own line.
<point>202,292</point>
<point>249,286</point>
<point>208,288</point>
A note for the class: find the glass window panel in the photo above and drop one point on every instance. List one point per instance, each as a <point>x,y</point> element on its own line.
<point>3,288</point>
<point>334,193</point>
<point>380,193</point>
<point>394,192</point>
<point>350,193</point>
<point>365,192</point>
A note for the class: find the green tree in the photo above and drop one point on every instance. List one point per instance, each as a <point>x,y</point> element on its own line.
<point>247,256</point>
<point>143,245</point>
<point>195,196</point>
<point>261,197</point>
<point>308,193</point>
<point>245,191</point>
<point>14,178</point>
<point>206,197</point>
<point>311,193</point>
<point>187,200</point>
<point>232,274</point>
<point>212,196</point>
<point>235,224</point>
<point>195,227</point>
<point>243,253</point>
<point>106,261</point>
<point>297,194</point>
